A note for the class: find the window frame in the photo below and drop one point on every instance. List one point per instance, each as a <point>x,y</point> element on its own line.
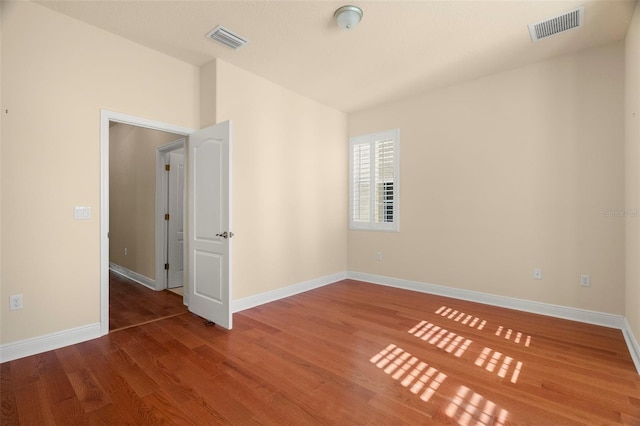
<point>371,224</point>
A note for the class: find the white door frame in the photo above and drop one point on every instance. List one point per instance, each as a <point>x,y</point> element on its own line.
<point>105,117</point>
<point>162,153</point>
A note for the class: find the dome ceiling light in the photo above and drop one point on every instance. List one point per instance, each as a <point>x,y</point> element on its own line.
<point>348,17</point>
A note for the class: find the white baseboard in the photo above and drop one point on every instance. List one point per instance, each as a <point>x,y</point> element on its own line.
<point>36,345</point>
<point>133,276</point>
<point>632,344</point>
<point>281,293</point>
<point>556,311</point>
<point>11,351</point>
<point>574,314</point>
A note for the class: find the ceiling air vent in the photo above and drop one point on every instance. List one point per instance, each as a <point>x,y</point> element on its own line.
<point>558,24</point>
<point>226,37</point>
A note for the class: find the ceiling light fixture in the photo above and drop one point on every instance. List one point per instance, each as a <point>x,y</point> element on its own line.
<point>348,17</point>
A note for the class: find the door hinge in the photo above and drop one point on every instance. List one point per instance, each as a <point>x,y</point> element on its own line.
<point>166,266</point>
<point>166,216</point>
<point>167,167</point>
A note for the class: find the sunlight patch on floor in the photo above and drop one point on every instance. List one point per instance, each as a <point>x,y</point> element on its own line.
<point>466,407</point>
<point>499,363</point>
<point>461,317</point>
<point>470,408</point>
<point>416,375</point>
<point>441,338</point>
<point>516,337</point>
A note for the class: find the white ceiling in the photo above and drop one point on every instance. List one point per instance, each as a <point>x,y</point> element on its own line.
<point>399,49</point>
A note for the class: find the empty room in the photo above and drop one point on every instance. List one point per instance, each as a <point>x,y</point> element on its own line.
<point>318,212</point>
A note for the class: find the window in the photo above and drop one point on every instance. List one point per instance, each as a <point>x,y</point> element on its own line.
<point>373,181</point>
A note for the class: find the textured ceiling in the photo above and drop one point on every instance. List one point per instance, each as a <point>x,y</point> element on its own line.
<point>400,48</point>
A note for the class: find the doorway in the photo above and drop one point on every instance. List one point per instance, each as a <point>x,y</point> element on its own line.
<point>142,188</point>
<point>208,159</point>
<point>122,244</point>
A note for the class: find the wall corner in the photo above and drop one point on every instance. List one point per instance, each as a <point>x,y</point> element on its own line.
<point>208,83</point>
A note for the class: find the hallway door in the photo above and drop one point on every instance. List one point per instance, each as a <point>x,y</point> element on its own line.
<point>175,224</point>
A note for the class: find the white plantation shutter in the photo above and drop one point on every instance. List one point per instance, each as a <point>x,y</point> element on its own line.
<point>373,173</point>
<point>361,186</point>
<point>384,172</point>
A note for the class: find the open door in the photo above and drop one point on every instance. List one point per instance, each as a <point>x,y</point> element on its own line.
<point>209,231</point>
<point>175,224</point>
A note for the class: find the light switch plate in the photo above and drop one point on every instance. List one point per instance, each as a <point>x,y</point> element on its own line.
<point>81,213</point>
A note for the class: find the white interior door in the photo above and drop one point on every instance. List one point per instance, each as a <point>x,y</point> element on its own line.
<point>175,225</point>
<point>209,231</point>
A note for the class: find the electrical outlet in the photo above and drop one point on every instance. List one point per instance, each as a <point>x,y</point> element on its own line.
<point>15,302</point>
<point>537,274</point>
<point>126,250</point>
<point>585,280</point>
<point>378,255</point>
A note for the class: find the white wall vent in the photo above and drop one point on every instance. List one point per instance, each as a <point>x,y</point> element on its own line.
<point>557,24</point>
<point>226,37</point>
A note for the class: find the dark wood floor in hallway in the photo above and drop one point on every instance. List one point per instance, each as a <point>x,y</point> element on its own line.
<point>131,303</point>
<point>347,353</point>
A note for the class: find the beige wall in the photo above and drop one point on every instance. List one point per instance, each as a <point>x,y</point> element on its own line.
<point>289,183</point>
<point>507,173</point>
<point>632,159</point>
<point>57,73</point>
<point>1,121</point>
<point>132,196</point>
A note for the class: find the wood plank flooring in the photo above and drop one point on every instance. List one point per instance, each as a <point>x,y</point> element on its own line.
<point>347,353</point>
<point>131,303</point>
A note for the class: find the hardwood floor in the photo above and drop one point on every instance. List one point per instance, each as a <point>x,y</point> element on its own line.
<point>347,353</point>
<point>132,304</point>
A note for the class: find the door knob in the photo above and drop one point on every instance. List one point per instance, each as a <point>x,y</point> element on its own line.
<point>225,235</point>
